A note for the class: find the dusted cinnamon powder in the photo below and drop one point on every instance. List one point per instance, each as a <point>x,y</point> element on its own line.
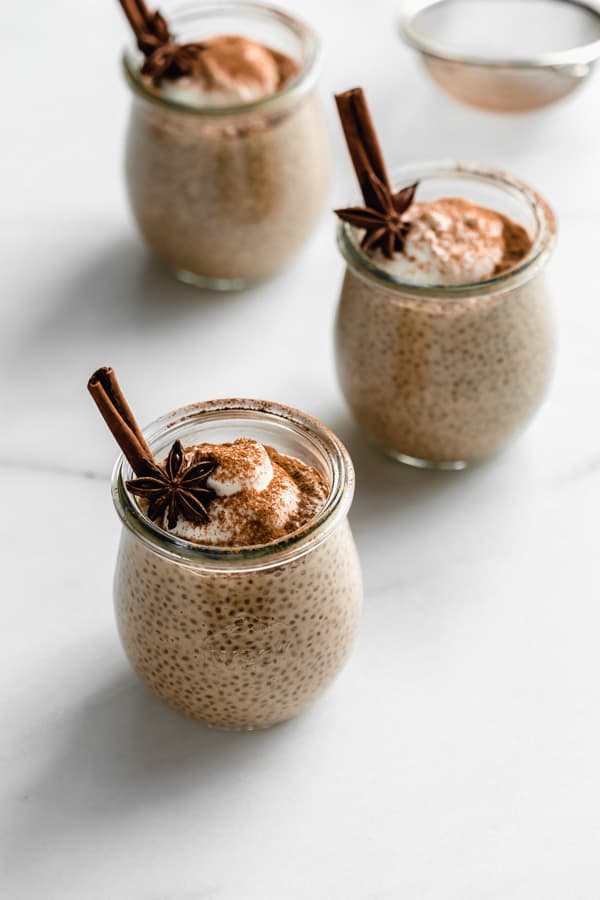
<point>459,234</point>
<point>262,495</point>
<point>230,62</point>
<point>312,487</point>
<point>517,245</point>
<point>452,241</point>
<point>223,69</point>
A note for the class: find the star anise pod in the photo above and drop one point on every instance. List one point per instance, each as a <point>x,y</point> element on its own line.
<point>172,60</point>
<point>176,488</point>
<point>153,33</point>
<point>384,226</point>
<point>165,58</point>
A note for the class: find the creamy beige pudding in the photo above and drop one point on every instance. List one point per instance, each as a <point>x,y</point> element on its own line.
<point>445,350</point>
<point>242,617</point>
<point>227,157</point>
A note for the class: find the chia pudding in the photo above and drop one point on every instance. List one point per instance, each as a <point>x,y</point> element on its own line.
<point>243,619</point>
<point>227,165</point>
<point>446,350</point>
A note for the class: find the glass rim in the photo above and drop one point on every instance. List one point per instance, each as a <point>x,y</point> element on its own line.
<point>582,55</point>
<point>207,556</point>
<point>540,251</point>
<point>296,88</point>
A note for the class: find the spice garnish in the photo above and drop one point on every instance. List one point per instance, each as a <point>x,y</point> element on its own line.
<point>165,57</point>
<point>381,217</point>
<point>175,487</point>
<point>178,488</point>
<point>116,412</point>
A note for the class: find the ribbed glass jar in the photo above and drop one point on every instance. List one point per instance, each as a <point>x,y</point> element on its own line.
<point>225,196</point>
<point>443,376</point>
<point>240,638</point>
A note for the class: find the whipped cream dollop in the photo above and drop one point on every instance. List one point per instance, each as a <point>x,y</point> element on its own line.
<point>261,495</point>
<point>231,70</point>
<point>452,241</point>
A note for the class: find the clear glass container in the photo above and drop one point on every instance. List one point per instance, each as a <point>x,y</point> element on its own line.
<point>225,196</point>
<point>443,376</point>
<point>248,637</point>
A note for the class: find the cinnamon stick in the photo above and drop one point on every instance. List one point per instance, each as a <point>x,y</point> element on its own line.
<point>150,28</point>
<point>363,144</point>
<point>137,14</point>
<point>116,412</point>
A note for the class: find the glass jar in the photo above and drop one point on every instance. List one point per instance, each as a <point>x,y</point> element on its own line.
<point>443,376</point>
<point>240,638</point>
<point>225,196</point>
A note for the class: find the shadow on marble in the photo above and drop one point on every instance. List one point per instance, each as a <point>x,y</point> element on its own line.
<point>386,488</point>
<point>121,287</point>
<point>124,755</point>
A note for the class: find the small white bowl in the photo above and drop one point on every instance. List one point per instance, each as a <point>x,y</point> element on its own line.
<point>505,55</point>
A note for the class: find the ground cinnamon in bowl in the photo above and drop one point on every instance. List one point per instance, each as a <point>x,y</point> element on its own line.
<point>505,55</point>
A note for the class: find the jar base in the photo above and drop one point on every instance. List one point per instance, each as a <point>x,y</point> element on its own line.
<point>455,465</point>
<point>244,729</point>
<point>204,282</point>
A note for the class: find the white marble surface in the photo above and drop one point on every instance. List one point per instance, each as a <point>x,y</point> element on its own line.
<point>457,758</point>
